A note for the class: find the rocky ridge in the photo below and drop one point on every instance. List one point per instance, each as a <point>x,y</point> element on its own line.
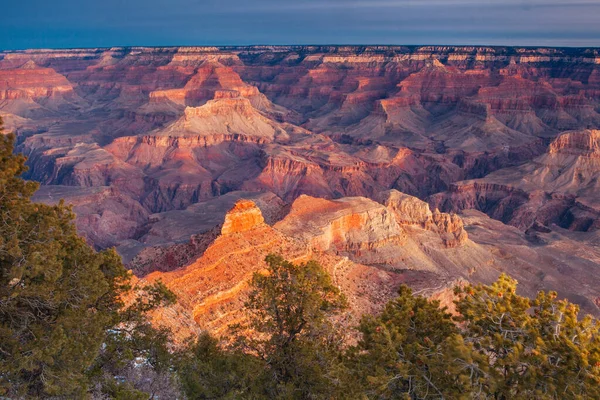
<point>369,249</point>
<point>211,289</point>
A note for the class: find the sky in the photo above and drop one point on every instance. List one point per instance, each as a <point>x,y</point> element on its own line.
<point>105,23</point>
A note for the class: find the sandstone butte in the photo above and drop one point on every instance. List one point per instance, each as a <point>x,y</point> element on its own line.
<point>427,165</point>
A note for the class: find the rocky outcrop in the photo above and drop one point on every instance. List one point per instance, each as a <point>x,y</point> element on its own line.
<point>226,116</point>
<point>356,227</point>
<point>451,228</point>
<point>214,81</point>
<point>30,81</point>
<point>32,91</point>
<point>581,144</point>
<point>409,210</point>
<point>211,289</point>
<point>176,238</point>
<point>400,233</point>
<point>244,216</point>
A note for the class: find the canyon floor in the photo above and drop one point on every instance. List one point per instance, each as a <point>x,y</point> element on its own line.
<point>429,166</point>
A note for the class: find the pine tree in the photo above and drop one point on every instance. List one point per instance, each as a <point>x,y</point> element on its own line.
<point>208,371</point>
<point>59,299</point>
<point>537,348</point>
<point>413,350</point>
<point>500,346</point>
<point>290,310</point>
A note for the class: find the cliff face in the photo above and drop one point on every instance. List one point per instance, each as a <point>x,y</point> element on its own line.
<point>355,227</point>
<point>32,91</point>
<point>559,187</point>
<point>244,216</point>
<point>30,81</point>
<point>368,232</point>
<point>410,211</point>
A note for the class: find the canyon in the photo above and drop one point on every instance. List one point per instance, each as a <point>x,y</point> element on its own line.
<point>425,165</point>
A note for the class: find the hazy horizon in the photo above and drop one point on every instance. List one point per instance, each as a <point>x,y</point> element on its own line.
<point>125,46</point>
<point>156,23</point>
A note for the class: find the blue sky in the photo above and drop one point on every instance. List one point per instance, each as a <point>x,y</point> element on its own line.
<point>91,23</point>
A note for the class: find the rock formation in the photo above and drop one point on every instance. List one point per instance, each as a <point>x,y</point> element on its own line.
<point>409,210</point>
<point>244,216</point>
<point>211,289</point>
<point>369,249</point>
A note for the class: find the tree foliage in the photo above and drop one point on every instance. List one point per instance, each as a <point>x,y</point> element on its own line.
<point>290,311</point>
<point>538,348</point>
<point>208,371</point>
<point>500,346</point>
<point>60,301</point>
<point>414,350</point>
